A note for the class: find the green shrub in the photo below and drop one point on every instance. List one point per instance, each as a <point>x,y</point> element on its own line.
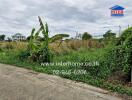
<point>86,36</point>
<point>23,55</point>
<point>125,34</point>
<point>119,58</point>
<point>128,44</point>
<point>128,41</point>
<point>45,56</point>
<point>1,50</point>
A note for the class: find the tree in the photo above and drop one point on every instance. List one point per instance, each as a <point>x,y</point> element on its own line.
<point>125,34</point>
<point>2,37</point>
<point>58,37</point>
<point>109,34</point>
<point>86,36</point>
<point>9,39</point>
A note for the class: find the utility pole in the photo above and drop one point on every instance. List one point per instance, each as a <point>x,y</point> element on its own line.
<point>131,67</point>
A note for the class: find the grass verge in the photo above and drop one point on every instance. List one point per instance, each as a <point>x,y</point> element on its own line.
<point>7,57</point>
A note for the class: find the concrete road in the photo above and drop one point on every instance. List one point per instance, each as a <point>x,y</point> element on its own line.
<point>22,84</point>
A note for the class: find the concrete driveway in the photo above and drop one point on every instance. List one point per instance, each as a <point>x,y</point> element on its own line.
<point>22,84</point>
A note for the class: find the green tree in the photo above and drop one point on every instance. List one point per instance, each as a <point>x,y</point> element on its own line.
<point>109,34</point>
<point>2,37</point>
<point>125,34</point>
<point>58,37</point>
<point>86,36</point>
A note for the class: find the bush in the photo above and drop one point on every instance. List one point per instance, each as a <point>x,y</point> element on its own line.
<point>86,36</point>
<point>23,55</point>
<point>45,56</point>
<point>1,50</point>
<point>126,33</point>
<point>128,44</point>
<point>119,58</point>
<point>128,41</point>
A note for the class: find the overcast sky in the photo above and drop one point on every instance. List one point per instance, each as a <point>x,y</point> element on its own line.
<point>63,16</point>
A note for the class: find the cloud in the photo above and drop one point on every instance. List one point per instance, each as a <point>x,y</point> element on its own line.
<point>63,16</point>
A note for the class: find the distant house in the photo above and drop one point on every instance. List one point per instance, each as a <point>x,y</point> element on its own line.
<point>18,37</point>
<point>117,11</point>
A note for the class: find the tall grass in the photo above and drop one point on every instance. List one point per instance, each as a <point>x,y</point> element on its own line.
<point>74,45</point>
<point>13,45</point>
<point>81,55</point>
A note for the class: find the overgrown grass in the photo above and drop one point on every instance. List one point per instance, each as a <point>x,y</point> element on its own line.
<point>10,57</point>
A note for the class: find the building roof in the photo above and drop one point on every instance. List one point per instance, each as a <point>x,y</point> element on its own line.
<point>117,7</point>
<point>17,34</point>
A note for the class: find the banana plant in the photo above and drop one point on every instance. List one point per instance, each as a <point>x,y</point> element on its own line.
<point>39,50</point>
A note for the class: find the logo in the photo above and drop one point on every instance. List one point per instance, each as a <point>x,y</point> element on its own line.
<point>117,11</point>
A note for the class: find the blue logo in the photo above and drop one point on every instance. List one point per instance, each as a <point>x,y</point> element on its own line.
<point>117,11</point>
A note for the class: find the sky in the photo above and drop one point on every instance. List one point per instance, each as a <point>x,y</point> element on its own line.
<point>63,16</point>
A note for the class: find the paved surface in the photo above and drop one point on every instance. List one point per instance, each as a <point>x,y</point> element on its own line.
<point>22,84</point>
